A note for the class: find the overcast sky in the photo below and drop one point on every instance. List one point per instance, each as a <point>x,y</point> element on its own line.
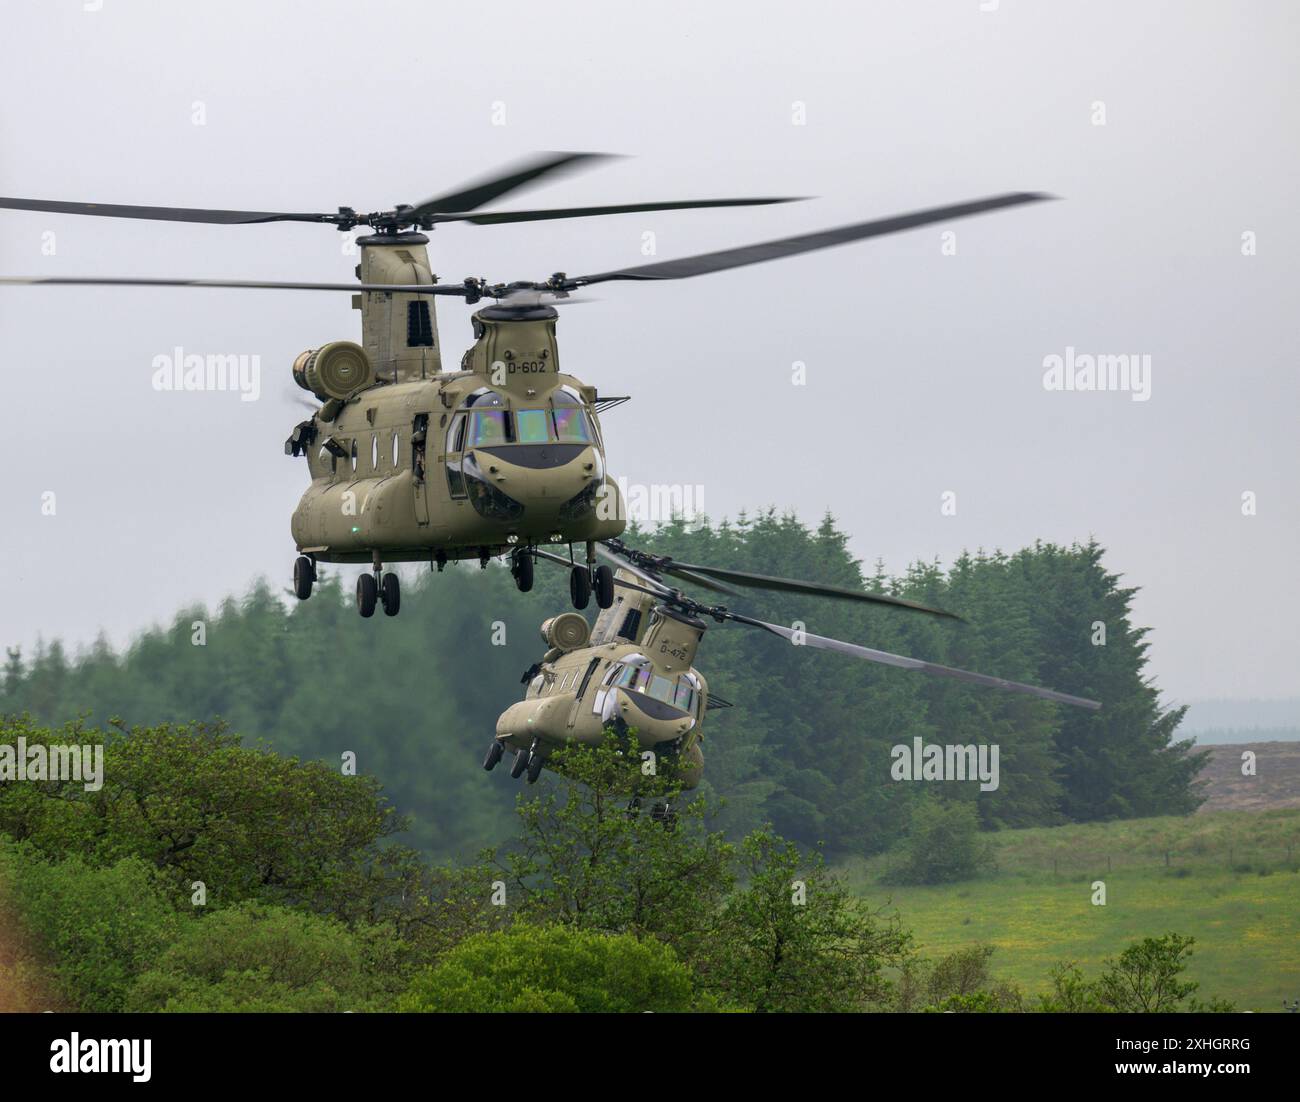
<point>1169,129</point>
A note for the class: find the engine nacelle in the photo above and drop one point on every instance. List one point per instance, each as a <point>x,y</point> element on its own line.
<point>335,370</point>
<point>568,631</point>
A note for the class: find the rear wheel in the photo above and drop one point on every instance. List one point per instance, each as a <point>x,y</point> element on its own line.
<point>367,594</point>
<point>580,587</point>
<point>494,755</point>
<point>520,763</point>
<point>535,763</point>
<point>390,593</point>
<point>604,586</point>
<point>304,574</point>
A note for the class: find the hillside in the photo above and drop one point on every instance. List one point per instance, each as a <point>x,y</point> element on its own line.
<point>1274,785</point>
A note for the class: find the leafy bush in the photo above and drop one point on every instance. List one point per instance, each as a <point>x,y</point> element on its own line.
<point>253,958</point>
<point>554,969</point>
<point>101,926</point>
<point>942,845</point>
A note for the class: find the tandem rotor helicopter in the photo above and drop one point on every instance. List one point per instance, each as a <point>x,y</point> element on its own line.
<point>634,670</point>
<point>413,463</point>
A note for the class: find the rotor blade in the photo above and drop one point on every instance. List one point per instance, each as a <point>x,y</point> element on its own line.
<point>887,659</point>
<point>815,589</point>
<point>792,246</point>
<point>248,284</point>
<point>638,588</point>
<point>492,218</point>
<point>514,176</point>
<point>618,560</point>
<point>163,214</point>
<point>678,571</point>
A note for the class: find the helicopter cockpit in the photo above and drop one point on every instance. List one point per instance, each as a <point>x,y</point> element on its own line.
<point>661,697</point>
<point>485,420</point>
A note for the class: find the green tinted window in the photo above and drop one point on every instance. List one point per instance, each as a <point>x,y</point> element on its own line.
<point>531,426</point>
<point>487,426</point>
<point>571,426</point>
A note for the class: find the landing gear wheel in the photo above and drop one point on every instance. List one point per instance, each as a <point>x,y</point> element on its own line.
<point>664,813</point>
<point>495,752</point>
<point>522,569</point>
<point>535,763</point>
<point>390,594</point>
<point>604,586</point>
<point>304,574</point>
<point>367,594</point>
<point>580,587</point>
<point>520,764</point>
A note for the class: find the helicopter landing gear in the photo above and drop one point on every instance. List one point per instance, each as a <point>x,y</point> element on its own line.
<point>580,587</point>
<point>390,594</point>
<point>495,753</point>
<point>604,586</point>
<point>535,763</point>
<point>521,567</point>
<point>304,575</point>
<point>367,595</point>
<point>664,813</point>
<point>520,763</point>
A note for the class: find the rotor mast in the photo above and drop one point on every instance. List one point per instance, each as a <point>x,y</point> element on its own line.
<point>399,330</point>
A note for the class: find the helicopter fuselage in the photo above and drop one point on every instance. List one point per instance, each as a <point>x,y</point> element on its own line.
<point>632,672</point>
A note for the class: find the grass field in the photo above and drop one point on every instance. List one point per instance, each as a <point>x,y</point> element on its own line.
<point>1232,882</point>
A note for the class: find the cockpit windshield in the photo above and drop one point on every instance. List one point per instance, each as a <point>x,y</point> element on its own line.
<point>678,691</point>
<point>564,421</point>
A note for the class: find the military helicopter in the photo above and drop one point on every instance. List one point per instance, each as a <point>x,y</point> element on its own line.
<point>634,670</point>
<point>413,463</point>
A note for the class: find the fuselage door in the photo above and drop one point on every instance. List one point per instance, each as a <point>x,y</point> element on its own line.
<point>419,457</point>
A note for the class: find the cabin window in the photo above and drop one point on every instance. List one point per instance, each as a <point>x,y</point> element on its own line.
<point>456,434</point>
<point>397,450</point>
<point>374,451</point>
<point>354,457</point>
<point>591,669</point>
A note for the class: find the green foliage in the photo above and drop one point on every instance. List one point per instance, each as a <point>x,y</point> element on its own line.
<point>794,940</point>
<point>808,750</point>
<point>586,858</point>
<point>1144,980</point>
<point>195,805</point>
<point>554,969</point>
<point>100,926</point>
<point>943,845</point>
<point>959,982</point>
<point>254,959</point>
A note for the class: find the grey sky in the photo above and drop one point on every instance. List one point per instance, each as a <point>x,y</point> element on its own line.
<point>924,371</point>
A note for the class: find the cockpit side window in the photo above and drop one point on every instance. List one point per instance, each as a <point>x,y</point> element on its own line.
<point>572,425</point>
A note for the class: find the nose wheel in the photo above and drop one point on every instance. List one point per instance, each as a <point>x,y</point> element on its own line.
<point>580,587</point>
<point>495,752</point>
<point>521,567</point>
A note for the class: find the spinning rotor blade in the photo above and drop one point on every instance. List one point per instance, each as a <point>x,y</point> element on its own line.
<point>888,659</point>
<point>628,564</point>
<point>492,218</point>
<point>814,589</point>
<point>454,289</point>
<point>514,176</point>
<point>808,242</point>
<point>164,214</point>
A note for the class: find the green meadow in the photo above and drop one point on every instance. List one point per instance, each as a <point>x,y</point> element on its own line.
<point>1229,879</point>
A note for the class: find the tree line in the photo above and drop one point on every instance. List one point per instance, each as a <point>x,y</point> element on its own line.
<point>807,748</point>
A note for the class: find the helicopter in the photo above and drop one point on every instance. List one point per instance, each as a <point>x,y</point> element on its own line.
<point>410,462</point>
<point>634,671</point>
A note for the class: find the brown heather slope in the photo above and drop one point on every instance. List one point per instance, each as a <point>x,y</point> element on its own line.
<point>1276,783</point>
